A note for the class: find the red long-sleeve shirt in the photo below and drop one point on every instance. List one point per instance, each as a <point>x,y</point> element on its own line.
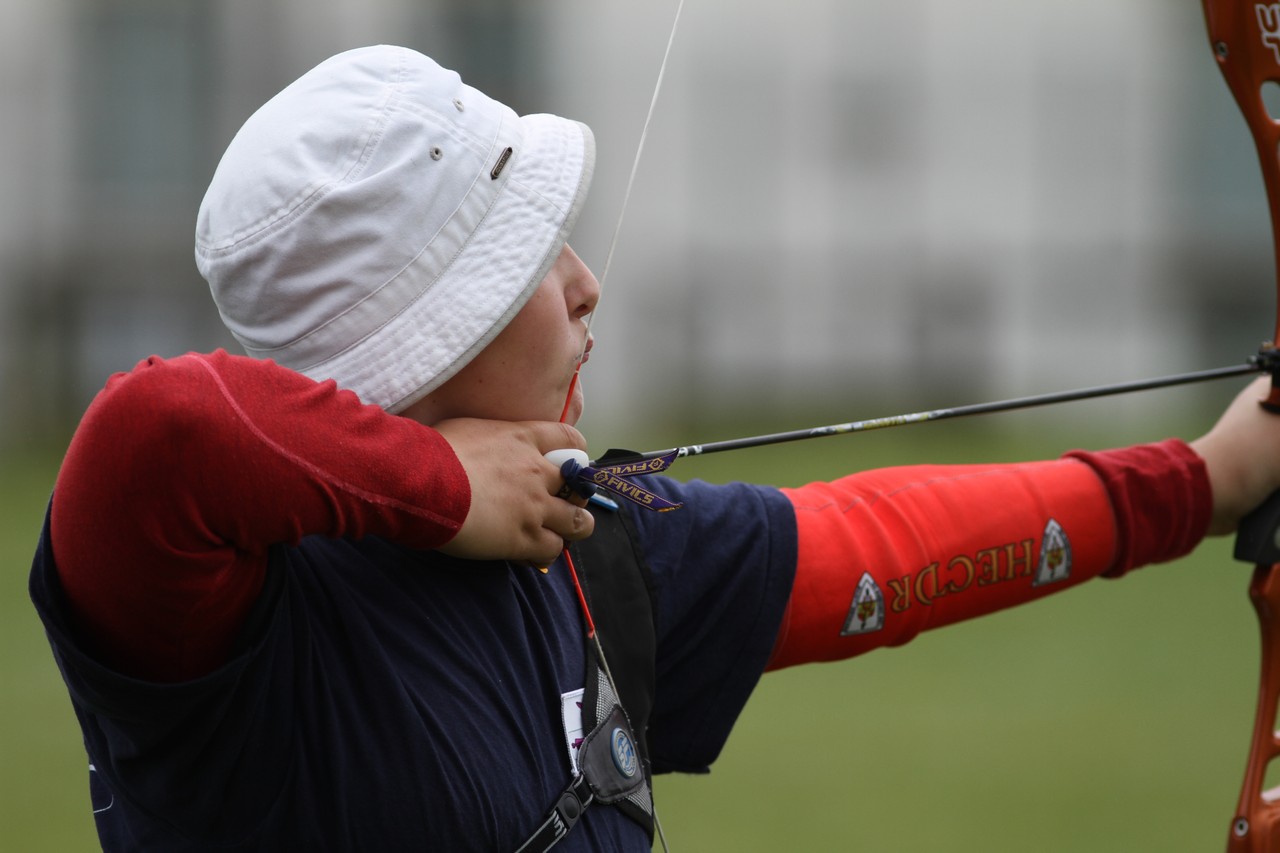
<point>184,471</point>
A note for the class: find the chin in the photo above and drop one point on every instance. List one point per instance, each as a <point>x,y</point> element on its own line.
<point>573,412</point>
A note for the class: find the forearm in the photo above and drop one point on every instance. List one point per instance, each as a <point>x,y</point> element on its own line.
<point>887,554</point>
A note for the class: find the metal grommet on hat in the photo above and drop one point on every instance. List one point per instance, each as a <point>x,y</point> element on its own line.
<point>338,240</point>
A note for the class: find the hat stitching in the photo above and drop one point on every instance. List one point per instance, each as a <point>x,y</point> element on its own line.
<point>405,306</point>
<point>459,361</point>
<point>495,197</point>
<point>306,198</point>
<point>422,292</point>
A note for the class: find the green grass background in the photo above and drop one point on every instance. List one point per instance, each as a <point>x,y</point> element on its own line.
<point>1114,717</point>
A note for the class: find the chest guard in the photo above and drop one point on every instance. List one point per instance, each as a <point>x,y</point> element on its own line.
<point>613,764</point>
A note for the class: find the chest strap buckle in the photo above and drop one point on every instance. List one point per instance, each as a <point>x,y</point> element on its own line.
<point>570,805</point>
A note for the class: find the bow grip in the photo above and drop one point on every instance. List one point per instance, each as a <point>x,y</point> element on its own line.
<point>1258,537</point>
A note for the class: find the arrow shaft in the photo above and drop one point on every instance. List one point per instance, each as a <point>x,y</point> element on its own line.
<point>1008,405</point>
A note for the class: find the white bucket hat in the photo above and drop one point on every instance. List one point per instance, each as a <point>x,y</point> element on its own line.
<point>379,222</point>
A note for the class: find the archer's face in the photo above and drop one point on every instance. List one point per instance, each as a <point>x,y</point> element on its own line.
<point>526,371</point>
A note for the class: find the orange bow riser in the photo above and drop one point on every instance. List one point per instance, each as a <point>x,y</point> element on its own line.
<point>1245,38</point>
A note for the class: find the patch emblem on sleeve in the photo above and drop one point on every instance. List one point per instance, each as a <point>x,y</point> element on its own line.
<point>1055,555</point>
<point>866,614</point>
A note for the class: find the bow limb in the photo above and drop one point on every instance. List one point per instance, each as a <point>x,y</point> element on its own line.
<point>1245,36</point>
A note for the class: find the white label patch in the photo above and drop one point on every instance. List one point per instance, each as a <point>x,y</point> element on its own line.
<point>866,613</point>
<point>571,715</point>
<point>1055,555</point>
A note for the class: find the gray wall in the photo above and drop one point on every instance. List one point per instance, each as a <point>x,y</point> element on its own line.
<point>838,200</point>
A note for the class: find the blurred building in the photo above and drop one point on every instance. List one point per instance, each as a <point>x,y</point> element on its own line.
<point>838,198</point>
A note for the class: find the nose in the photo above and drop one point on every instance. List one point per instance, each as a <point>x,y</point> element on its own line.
<point>582,293</point>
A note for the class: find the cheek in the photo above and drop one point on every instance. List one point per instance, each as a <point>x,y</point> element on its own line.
<point>526,370</point>
<point>536,339</point>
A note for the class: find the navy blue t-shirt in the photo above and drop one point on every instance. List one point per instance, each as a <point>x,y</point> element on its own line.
<point>390,699</point>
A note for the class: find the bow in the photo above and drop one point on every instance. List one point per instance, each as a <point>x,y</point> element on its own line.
<point>1245,37</point>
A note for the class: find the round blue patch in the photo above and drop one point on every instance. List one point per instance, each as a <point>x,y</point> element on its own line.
<point>624,752</point>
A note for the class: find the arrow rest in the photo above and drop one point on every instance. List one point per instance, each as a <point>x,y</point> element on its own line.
<point>1268,361</point>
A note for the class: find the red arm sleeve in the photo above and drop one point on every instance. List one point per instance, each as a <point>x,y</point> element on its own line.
<point>884,555</point>
<point>184,472</point>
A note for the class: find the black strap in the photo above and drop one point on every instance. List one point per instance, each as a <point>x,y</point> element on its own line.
<point>570,805</point>
<point>617,585</point>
